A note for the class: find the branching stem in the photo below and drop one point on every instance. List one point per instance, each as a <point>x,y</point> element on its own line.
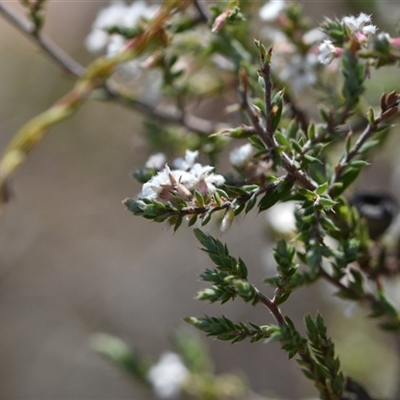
<point>273,308</point>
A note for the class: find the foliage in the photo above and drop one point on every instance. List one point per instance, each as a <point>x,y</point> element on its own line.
<point>290,155</point>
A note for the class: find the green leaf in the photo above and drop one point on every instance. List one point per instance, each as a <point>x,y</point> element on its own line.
<point>278,193</point>
<point>312,160</point>
<point>207,217</point>
<point>282,140</point>
<point>178,223</point>
<point>322,188</point>
<point>192,220</point>
<point>311,131</point>
<point>367,146</point>
<point>251,203</point>
<point>199,198</point>
<point>242,269</point>
<point>326,202</point>
<point>296,146</point>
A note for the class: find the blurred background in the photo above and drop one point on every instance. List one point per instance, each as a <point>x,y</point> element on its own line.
<point>74,262</point>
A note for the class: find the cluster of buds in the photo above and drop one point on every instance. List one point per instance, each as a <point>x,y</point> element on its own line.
<point>170,184</point>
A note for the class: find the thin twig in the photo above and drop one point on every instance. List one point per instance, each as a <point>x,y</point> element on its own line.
<point>265,133</point>
<point>367,297</point>
<point>204,14</point>
<point>254,117</point>
<point>266,75</point>
<point>189,121</point>
<point>273,308</point>
<point>55,52</point>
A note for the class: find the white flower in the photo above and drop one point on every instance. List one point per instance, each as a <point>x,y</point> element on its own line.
<point>369,30</point>
<point>175,181</point>
<point>152,188</point>
<point>204,180</point>
<point>281,217</point>
<point>271,10</point>
<point>298,71</point>
<point>313,36</point>
<point>187,162</point>
<point>116,44</point>
<point>156,161</point>
<point>116,14</point>
<point>360,24</point>
<point>106,18</point>
<point>327,52</point>
<point>180,182</point>
<point>239,156</point>
<point>168,376</point>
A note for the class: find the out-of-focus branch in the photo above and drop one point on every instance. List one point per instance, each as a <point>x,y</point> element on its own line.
<point>204,14</point>
<point>70,65</point>
<point>189,121</point>
<point>51,49</point>
<point>94,77</point>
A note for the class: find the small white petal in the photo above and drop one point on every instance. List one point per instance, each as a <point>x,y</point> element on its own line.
<point>326,52</point>
<point>116,14</point>
<point>363,19</point>
<point>239,156</point>
<point>188,161</point>
<point>298,70</point>
<point>156,161</point>
<point>96,40</point>
<point>168,375</point>
<point>116,44</point>
<point>350,22</point>
<point>369,30</point>
<point>152,188</point>
<point>271,10</point>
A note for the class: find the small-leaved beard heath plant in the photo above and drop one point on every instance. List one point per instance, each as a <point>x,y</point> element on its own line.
<point>309,152</point>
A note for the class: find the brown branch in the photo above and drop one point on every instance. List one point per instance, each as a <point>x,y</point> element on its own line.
<point>51,49</point>
<point>204,14</point>
<point>367,297</point>
<point>272,307</point>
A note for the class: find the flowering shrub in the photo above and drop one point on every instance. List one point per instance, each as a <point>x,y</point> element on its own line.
<point>303,156</point>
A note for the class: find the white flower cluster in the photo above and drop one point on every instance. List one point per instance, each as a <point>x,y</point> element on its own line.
<point>298,70</point>
<point>120,14</point>
<point>360,26</point>
<point>168,376</point>
<point>182,181</point>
